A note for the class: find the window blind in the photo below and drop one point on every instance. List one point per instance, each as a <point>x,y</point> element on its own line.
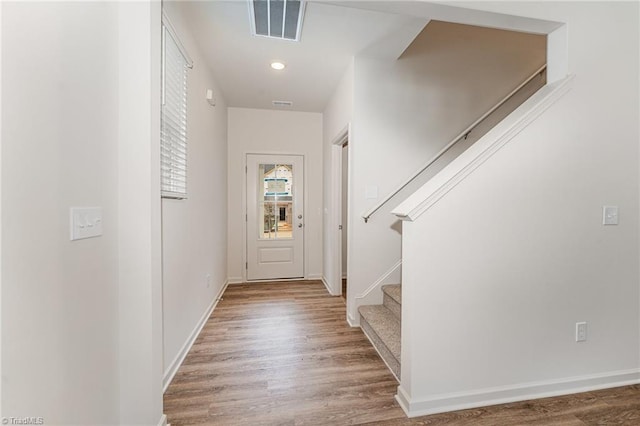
<point>173,136</point>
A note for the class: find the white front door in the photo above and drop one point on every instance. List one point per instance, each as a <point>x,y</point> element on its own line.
<point>275,227</point>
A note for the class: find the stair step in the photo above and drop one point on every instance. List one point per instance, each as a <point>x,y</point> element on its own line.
<point>382,327</point>
<point>394,291</point>
<point>392,298</point>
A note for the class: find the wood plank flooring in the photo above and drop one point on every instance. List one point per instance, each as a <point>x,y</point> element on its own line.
<point>282,353</point>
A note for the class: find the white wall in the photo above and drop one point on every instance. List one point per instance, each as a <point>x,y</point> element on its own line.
<point>335,120</point>
<point>405,111</point>
<point>139,221</point>
<point>275,132</point>
<point>59,142</point>
<point>80,320</point>
<point>511,258</point>
<point>194,231</point>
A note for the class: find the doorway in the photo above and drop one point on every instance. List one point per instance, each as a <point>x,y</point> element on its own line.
<point>275,212</point>
<point>339,215</point>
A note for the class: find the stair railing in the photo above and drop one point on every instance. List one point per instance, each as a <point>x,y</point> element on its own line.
<point>461,136</point>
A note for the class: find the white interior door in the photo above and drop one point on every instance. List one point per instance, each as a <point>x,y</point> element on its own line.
<point>275,216</point>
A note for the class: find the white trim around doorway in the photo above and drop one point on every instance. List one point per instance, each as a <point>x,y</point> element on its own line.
<point>335,218</point>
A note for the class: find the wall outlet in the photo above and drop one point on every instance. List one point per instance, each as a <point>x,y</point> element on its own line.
<point>208,280</point>
<point>581,332</point>
<point>609,215</point>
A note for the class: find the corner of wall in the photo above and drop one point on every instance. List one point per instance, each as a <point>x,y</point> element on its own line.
<point>140,282</point>
<point>1,103</point>
<point>557,54</point>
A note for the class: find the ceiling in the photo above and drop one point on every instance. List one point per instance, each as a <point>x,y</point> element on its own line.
<point>331,36</point>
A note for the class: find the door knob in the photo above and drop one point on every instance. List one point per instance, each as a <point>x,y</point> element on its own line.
<point>299,225</point>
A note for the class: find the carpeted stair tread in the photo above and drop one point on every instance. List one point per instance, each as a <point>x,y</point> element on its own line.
<point>394,291</point>
<point>385,324</point>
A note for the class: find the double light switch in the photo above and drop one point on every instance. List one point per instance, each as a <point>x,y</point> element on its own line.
<point>86,222</point>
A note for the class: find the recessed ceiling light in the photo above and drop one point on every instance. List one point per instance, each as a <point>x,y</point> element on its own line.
<point>277,65</point>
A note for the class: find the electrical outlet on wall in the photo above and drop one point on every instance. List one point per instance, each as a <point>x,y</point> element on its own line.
<point>581,332</point>
<point>609,215</point>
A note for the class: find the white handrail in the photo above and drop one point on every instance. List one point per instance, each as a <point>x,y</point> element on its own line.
<point>462,134</point>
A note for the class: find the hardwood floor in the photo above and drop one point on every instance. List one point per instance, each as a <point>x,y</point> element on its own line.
<point>282,354</point>
<point>344,289</point>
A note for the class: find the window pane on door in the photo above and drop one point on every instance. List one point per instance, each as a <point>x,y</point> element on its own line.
<point>275,201</point>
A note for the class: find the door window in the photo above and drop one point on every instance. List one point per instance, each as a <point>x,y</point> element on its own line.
<point>275,201</point>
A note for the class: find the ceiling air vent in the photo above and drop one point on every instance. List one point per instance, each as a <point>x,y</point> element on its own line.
<point>277,18</point>
<point>282,103</point>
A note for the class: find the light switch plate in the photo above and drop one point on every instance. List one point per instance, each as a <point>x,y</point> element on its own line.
<point>609,215</point>
<point>86,222</point>
<point>370,192</point>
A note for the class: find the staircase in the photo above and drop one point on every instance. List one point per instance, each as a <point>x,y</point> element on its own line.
<point>381,324</point>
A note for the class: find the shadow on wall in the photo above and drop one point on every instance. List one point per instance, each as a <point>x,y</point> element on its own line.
<point>397,226</point>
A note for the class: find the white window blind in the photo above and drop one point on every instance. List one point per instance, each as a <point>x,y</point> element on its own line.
<point>173,136</point>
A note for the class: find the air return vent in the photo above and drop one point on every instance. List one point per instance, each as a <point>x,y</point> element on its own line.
<point>282,103</point>
<point>277,18</point>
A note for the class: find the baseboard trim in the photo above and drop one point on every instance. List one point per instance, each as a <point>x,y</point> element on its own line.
<point>163,420</point>
<point>353,318</point>
<point>177,361</point>
<point>352,321</point>
<point>380,280</point>
<point>239,280</point>
<point>507,394</point>
<point>326,284</point>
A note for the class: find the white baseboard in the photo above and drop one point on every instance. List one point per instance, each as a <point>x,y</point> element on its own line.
<point>326,284</point>
<point>163,420</point>
<point>353,322</point>
<point>506,394</point>
<point>177,361</point>
<point>239,280</point>
<point>379,282</point>
<point>352,308</point>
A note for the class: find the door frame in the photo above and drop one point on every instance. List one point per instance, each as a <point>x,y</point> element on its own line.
<point>335,215</point>
<point>305,203</point>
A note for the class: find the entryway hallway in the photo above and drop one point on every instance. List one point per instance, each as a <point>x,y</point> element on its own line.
<point>281,353</point>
